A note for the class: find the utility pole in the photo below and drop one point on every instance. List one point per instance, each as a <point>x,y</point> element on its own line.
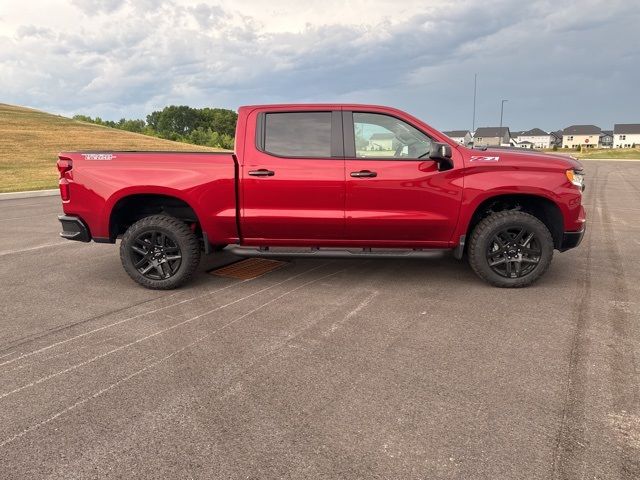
<point>475,85</point>
<point>501,112</point>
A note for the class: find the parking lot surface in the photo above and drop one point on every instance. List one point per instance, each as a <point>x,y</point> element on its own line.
<point>323,369</point>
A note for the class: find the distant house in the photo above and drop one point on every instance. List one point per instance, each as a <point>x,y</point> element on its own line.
<point>626,135</point>
<point>463,137</point>
<point>606,139</point>
<point>514,137</point>
<point>492,137</point>
<point>536,137</point>
<point>524,144</point>
<point>581,136</point>
<point>381,141</point>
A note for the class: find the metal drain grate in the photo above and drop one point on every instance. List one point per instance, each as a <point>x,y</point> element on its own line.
<point>248,269</point>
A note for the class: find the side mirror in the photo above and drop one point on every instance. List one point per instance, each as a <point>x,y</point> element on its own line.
<point>441,153</point>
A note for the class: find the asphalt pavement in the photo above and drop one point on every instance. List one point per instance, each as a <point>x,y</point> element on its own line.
<point>398,369</point>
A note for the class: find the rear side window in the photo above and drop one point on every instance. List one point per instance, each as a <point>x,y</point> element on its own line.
<point>298,134</point>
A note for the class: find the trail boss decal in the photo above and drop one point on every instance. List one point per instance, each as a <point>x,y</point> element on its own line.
<point>98,156</point>
<point>483,159</point>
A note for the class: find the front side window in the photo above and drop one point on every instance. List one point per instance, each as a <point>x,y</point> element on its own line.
<point>298,134</point>
<point>383,136</point>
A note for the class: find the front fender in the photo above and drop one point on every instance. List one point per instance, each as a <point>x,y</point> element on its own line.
<point>481,186</point>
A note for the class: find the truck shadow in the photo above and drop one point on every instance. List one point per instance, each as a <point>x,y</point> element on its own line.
<point>441,269</point>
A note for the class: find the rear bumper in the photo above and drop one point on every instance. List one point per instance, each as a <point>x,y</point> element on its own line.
<point>73,228</point>
<point>571,239</point>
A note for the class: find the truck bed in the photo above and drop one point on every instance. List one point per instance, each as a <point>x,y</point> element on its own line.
<point>204,180</point>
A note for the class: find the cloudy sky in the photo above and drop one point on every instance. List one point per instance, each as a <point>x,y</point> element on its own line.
<point>557,62</point>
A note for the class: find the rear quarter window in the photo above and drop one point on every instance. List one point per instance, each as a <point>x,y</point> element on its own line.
<point>298,134</point>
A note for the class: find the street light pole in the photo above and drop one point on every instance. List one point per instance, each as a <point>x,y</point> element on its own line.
<point>501,112</point>
<point>475,88</point>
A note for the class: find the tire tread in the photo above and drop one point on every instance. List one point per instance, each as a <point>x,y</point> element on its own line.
<point>476,253</point>
<point>178,228</point>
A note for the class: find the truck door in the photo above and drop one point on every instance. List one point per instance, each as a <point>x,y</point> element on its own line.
<point>292,177</point>
<point>395,193</point>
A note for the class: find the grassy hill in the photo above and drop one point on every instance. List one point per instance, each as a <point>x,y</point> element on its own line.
<point>30,141</point>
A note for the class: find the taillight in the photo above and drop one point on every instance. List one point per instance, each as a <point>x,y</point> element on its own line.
<point>64,189</point>
<point>64,169</point>
<point>64,165</point>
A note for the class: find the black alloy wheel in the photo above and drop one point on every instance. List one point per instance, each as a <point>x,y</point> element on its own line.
<point>510,249</point>
<point>156,255</point>
<point>160,252</point>
<point>514,252</point>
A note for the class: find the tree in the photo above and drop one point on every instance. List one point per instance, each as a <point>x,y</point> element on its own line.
<point>83,118</point>
<point>175,120</point>
<point>219,120</point>
<point>153,119</point>
<point>213,127</point>
<point>136,126</point>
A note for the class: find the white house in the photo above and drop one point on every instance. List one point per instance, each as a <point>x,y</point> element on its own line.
<point>382,142</point>
<point>626,135</point>
<point>581,136</point>
<point>534,138</point>
<point>463,137</point>
<point>514,137</point>
<point>523,144</point>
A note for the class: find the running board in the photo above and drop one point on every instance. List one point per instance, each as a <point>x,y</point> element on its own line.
<point>275,252</point>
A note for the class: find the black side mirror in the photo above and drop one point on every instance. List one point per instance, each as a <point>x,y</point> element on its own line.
<point>441,153</point>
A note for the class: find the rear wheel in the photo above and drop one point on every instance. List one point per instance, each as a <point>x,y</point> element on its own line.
<point>510,249</point>
<point>160,252</point>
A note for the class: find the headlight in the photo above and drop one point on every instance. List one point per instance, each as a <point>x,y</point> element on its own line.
<point>576,177</point>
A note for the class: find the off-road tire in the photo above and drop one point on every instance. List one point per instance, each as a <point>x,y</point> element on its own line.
<point>482,239</point>
<point>179,234</point>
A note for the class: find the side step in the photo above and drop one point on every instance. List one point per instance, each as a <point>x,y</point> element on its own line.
<point>279,252</point>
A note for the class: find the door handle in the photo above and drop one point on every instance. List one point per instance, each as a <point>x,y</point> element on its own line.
<point>364,174</point>
<point>263,172</point>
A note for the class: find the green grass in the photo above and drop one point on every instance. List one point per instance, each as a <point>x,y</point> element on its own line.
<point>595,153</point>
<point>30,141</point>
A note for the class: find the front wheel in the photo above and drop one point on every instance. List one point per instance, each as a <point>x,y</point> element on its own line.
<point>510,249</point>
<point>160,252</point>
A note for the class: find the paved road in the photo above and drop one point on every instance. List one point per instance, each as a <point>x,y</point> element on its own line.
<point>323,369</point>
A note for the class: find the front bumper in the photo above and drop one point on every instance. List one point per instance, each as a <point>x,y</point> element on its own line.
<point>571,239</point>
<point>73,228</point>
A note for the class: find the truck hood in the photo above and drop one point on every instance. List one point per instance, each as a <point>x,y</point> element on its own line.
<point>525,157</point>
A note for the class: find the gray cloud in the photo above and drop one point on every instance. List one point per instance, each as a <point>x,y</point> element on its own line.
<point>557,62</point>
<point>208,16</point>
<point>95,7</point>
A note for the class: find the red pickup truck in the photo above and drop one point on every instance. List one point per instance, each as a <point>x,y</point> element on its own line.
<point>328,180</point>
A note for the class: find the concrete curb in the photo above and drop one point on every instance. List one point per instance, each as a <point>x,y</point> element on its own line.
<point>29,194</point>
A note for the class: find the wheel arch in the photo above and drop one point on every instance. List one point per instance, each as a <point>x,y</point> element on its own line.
<point>130,208</point>
<point>543,208</point>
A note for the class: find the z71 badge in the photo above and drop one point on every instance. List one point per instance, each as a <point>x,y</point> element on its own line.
<point>98,156</point>
<point>483,159</point>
